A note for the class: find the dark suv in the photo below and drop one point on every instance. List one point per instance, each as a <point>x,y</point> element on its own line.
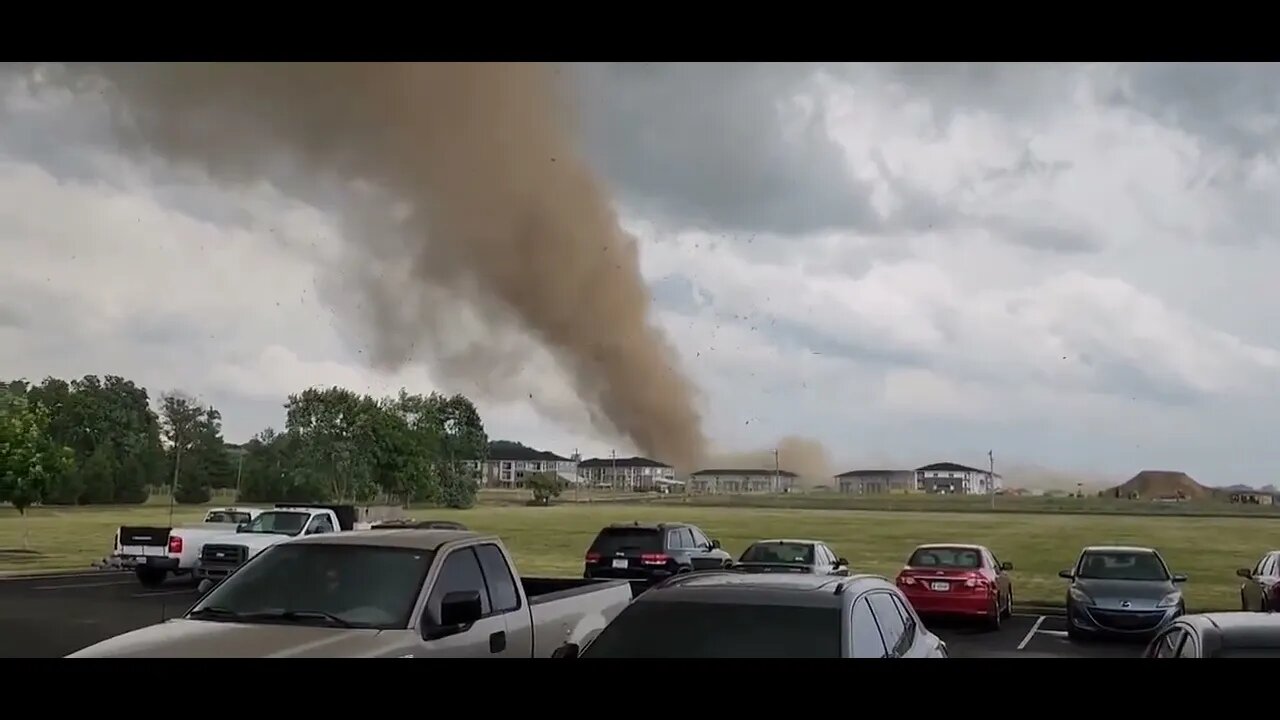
<point>652,552</point>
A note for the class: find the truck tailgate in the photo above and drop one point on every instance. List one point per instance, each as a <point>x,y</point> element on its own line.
<point>574,613</point>
<point>139,541</point>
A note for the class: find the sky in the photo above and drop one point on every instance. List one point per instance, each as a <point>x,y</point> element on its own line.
<point>1069,265</point>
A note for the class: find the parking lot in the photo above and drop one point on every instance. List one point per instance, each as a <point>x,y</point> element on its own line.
<point>53,615</point>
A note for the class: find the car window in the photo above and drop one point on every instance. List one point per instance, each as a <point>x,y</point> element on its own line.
<point>908,620</point>
<point>497,576</point>
<point>867,642</point>
<point>661,629</point>
<point>611,541</point>
<point>826,557</point>
<point>945,557</point>
<point>892,629</point>
<point>699,540</point>
<point>1261,567</point>
<point>995,561</point>
<point>774,552</point>
<point>1274,568</point>
<point>674,541</point>
<point>686,538</point>
<point>1121,565</point>
<point>460,572</point>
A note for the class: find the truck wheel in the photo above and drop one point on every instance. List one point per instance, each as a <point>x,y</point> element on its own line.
<point>150,577</point>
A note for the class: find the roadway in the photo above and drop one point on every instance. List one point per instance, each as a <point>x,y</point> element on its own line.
<point>54,615</point>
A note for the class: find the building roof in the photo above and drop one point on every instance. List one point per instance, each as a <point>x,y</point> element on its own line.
<point>622,462</point>
<point>506,451</point>
<point>950,467</point>
<point>871,473</point>
<point>751,472</point>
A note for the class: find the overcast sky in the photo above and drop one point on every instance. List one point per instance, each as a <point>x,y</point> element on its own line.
<point>1071,266</point>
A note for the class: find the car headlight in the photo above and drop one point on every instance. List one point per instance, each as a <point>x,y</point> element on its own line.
<point>1080,596</point>
<point>1170,600</point>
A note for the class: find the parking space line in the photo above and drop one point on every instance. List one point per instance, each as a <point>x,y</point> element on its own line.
<point>1055,633</point>
<point>73,586</point>
<point>1031,633</point>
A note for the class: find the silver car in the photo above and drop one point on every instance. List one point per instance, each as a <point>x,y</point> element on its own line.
<point>1121,591</point>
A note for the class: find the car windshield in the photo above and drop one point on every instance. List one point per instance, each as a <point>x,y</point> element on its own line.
<point>346,585</point>
<point>278,523</point>
<point>657,629</point>
<point>799,553</point>
<point>615,540</point>
<point>945,557</point>
<point>1121,565</point>
<point>226,516</point>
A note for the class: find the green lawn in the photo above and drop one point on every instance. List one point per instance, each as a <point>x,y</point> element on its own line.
<point>551,541</point>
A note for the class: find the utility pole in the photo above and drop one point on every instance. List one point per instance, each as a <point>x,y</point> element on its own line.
<point>613,473</point>
<point>239,470</point>
<point>777,482</point>
<point>991,478</point>
<point>577,478</point>
<point>177,463</point>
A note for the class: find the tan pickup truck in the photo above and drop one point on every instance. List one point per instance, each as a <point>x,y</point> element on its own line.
<point>381,593</point>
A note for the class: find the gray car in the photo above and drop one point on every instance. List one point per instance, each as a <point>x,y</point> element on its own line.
<point>1121,591</point>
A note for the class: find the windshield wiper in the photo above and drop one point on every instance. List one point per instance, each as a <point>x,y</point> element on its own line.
<point>215,611</point>
<point>296,615</point>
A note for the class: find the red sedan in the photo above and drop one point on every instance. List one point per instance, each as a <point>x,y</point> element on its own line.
<point>958,580</point>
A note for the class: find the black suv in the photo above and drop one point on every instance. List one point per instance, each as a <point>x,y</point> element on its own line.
<point>652,552</point>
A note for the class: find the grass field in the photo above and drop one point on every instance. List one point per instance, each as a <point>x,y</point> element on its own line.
<point>551,541</point>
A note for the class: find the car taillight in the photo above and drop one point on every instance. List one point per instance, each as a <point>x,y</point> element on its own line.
<point>175,544</point>
<point>906,580</point>
<point>976,581</point>
<point>593,557</point>
<point>654,559</point>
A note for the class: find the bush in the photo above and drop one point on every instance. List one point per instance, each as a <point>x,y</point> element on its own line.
<point>197,495</point>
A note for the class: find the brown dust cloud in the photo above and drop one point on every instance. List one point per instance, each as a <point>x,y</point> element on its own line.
<point>495,209</point>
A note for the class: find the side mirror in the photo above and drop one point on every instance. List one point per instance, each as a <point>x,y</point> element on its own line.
<point>841,562</point>
<point>1179,578</point>
<point>1245,573</point>
<point>567,650</point>
<point>715,544</point>
<point>241,528</point>
<point>1066,574</point>
<point>460,608</point>
<point>1006,566</point>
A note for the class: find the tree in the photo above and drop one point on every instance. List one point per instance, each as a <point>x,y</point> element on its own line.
<point>193,433</point>
<point>29,459</point>
<point>545,486</point>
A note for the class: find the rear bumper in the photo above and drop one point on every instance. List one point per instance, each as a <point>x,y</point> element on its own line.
<point>966,605</point>
<point>132,562</point>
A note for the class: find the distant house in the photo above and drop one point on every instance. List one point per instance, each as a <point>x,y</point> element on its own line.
<point>955,479</point>
<point>508,464</point>
<point>628,473</point>
<point>741,481</point>
<point>1252,497</point>
<point>876,482</point>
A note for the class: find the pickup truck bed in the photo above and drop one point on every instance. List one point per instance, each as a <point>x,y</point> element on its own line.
<point>544,590</point>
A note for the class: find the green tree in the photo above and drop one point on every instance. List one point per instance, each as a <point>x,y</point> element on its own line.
<point>545,487</point>
<point>336,427</point>
<point>189,428</point>
<point>29,458</point>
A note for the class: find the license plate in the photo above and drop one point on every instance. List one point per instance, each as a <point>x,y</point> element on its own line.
<point>140,560</point>
<point>620,564</point>
<point>940,586</point>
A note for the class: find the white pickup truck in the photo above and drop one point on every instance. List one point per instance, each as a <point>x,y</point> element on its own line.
<point>400,593</point>
<point>152,553</point>
<point>222,554</point>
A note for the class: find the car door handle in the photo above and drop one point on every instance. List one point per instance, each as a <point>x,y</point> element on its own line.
<point>498,641</point>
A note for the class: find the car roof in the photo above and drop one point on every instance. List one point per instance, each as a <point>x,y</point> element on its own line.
<point>413,539</point>
<point>1119,548</point>
<point>785,541</point>
<point>806,590</point>
<point>1243,629</point>
<point>644,526</point>
<point>965,546</point>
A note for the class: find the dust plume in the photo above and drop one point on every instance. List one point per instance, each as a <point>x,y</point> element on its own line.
<point>803,456</point>
<point>481,207</point>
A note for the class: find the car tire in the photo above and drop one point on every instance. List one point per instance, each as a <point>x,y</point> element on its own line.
<point>1244,602</point>
<point>1008,604</point>
<point>150,577</point>
<point>1073,634</point>
<point>993,620</point>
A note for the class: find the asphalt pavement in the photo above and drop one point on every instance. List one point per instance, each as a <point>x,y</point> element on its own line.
<point>54,615</point>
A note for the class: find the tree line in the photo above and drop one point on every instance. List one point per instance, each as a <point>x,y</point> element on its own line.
<point>99,440</point>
